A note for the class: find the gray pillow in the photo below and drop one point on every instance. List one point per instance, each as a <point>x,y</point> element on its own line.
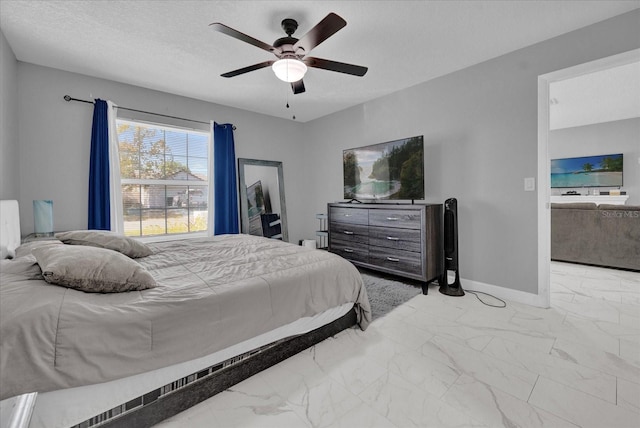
<point>26,248</point>
<point>106,239</point>
<point>91,269</point>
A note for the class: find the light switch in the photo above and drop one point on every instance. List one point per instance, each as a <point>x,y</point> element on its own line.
<point>529,184</point>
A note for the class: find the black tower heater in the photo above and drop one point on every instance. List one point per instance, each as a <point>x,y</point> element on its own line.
<point>451,249</point>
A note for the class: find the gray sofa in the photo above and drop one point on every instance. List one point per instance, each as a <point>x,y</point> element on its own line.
<point>603,235</point>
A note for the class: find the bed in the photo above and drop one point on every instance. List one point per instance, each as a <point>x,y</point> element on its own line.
<point>221,310</point>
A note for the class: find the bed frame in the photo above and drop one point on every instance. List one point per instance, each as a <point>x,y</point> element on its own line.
<point>173,398</point>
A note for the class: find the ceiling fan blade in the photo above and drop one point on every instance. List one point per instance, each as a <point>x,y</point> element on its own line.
<point>298,87</point>
<point>321,32</point>
<point>241,36</point>
<point>247,69</point>
<point>340,67</point>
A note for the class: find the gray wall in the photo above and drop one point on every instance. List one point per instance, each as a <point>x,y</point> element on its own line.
<point>480,131</point>
<point>9,152</point>
<point>55,140</point>
<point>479,124</point>
<point>621,136</point>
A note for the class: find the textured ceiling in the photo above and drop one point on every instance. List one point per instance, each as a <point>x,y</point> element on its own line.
<point>168,45</point>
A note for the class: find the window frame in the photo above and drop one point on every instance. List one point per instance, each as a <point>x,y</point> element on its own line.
<point>208,184</point>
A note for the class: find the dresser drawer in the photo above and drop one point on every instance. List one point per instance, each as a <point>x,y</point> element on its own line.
<point>346,232</point>
<point>406,219</point>
<point>402,261</point>
<point>357,253</point>
<point>396,238</point>
<point>349,215</point>
<point>399,239</point>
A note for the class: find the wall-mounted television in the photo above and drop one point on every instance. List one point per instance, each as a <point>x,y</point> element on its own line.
<point>587,171</point>
<point>391,170</point>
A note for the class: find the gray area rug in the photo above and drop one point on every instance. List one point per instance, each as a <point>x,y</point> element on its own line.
<point>386,293</point>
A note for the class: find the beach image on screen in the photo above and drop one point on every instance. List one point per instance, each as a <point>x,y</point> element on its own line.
<point>589,171</point>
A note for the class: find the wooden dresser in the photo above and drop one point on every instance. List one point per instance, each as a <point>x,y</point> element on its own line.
<point>401,239</point>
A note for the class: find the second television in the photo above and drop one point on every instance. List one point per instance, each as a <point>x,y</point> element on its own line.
<point>391,170</point>
<point>588,171</point>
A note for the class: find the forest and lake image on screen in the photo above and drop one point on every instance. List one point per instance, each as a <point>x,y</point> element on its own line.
<point>391,170</point>
<point>588,171</point>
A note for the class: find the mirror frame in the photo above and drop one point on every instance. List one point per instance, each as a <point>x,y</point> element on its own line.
<point>244,211</point>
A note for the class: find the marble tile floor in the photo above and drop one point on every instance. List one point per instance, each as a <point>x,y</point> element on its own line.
<point>439,361</point>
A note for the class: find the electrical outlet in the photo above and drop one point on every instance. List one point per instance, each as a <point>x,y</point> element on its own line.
<point>529,184</point>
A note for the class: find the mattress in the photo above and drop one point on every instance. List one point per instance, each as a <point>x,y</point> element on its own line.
<point>212,294</point>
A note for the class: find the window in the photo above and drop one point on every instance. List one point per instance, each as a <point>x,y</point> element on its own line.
<point>165,179</point>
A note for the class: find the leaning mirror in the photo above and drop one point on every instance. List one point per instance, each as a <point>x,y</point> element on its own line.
<point>262,207</point>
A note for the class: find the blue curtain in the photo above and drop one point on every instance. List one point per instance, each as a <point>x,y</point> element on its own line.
<point>99,205</point>
<point>224,173</point>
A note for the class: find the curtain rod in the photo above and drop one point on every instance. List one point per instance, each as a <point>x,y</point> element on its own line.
<point>69,98</point>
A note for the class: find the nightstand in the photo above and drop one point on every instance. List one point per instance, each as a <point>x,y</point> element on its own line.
<point>35,237</point>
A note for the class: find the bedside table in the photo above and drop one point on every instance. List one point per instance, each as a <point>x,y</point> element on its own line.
<point>35,237</point>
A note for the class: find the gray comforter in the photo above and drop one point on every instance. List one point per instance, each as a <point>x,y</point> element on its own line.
<point>211,294</point>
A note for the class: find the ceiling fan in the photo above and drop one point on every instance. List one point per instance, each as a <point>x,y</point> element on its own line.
<point>291,63</point>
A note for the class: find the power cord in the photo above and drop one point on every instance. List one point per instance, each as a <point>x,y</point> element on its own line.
<point>504,304</point>
<point>475,293</point>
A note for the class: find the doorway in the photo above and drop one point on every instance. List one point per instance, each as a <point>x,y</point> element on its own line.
<point>544,216</point>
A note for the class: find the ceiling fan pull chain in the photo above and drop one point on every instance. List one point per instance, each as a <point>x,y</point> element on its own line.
<point>287,95</point>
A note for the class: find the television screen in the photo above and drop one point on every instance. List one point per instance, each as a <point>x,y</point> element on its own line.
<point>391,170</point>
<point>588,171</point>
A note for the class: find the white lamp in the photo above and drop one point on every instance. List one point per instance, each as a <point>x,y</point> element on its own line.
<point>43,217</point>
<point>289,70</point>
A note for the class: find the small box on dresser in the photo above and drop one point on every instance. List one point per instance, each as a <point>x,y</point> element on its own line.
<point>400,239</point>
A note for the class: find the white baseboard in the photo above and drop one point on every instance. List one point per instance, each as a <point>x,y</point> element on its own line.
<point>502,292</point>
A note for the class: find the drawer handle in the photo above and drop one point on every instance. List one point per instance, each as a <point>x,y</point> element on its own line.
<point>391,238</point>
<point>393,259</point>
<point>393,218</point>
<point>348,250</point>
<point>347,215</point>
<point>347,232</point>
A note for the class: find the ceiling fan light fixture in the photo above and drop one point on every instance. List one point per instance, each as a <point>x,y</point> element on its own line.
<point>289,70</point>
